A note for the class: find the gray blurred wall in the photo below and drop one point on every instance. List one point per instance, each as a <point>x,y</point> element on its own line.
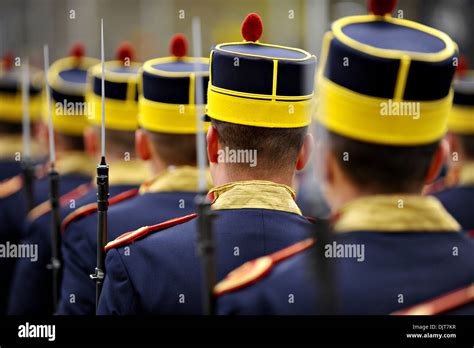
<point>25,25</point>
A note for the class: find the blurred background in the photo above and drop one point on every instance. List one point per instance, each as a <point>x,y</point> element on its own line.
<point>26,25</point>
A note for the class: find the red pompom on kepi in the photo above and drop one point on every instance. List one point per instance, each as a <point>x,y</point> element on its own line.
<point>125,53</point>
<point>252,27</point>
<point>77,50</point>
<point>7,61</point>
<point>381,7</point>
<point>463,66</point>
<point>178,45</point>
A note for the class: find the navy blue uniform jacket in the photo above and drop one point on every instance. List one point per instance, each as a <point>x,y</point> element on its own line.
<point>31,289</point>
<point>171,194</point>
<point>459,202</point>
<point>399,267</point>
<point>161,272</point>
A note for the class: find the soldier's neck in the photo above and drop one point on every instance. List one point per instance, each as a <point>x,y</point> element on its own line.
<point>343,193</point>
<point>157,167</point>
<point>222,175</point>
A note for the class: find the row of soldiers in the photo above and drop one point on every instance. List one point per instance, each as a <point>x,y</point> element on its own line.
<point>387,247</point>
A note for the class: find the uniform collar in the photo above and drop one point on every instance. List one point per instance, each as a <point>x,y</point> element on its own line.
<point>11,145</point>
<point>131,172</point>
<point>175,179</point>
<point>257,194</point>
<point>394,213</point>
<point>466,176</point>
<point>75,162</point>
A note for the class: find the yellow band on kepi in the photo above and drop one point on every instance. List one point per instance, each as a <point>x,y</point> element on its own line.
<point>11,107</point>
<point>363,118</point>
<point>167,118</point>
<point>120,114</point>
<point>259,112</point>
<point>68,118</point>
<point>461,119</point>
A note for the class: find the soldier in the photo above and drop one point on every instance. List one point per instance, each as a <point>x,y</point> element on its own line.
<point>13,202</point>
<point>459,200</point>
<point>67,78</point>
<point>260,100</point>
<point>167,141</point>
<point>121,76</point>
<point>391,247</point>
<point>11,111</point>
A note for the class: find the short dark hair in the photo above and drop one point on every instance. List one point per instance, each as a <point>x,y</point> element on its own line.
<point>381,168</point>
<point>119,142</point>
<point>467,144</point>
<point>175,149</point>
<point>276,148</point>
<point>72,142</point>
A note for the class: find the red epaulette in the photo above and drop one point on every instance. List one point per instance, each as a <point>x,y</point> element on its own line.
<point>256,269</point>
<point>130,237</point>
<point>442,303</point>
<point>45,207</point>
<point>91,208</point>
<point>470,233</point>
<point>10,186</point>
<point>434,187</point>
<point>41,170</point>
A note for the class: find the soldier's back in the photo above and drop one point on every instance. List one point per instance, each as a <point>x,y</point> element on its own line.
<point>80,240</point>
<point>398,270</point>
<point>165,269</point>
<point>459,202</point>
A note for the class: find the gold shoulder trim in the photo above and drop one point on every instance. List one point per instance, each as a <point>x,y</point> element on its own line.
<point>10,186</point>
<point>250,272</point>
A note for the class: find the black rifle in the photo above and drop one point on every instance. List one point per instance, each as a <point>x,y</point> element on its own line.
<point>206,250</point>
<point>102,208</point>
<point>55,265</point>
<point>205,235</point>
<point>102,191</point>
<point>322,270</point>
<point>56,260</point>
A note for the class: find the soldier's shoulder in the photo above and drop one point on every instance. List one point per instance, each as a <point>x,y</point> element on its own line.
<point>130,237</point>
<point>91,208</point>
<point>255,270</point>
<point>45,207</point>
<point>443,304</point>
<point>453,191</point>
<point>10,186</point>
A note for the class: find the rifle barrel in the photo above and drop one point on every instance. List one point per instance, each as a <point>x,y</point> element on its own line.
<point>53,176</point>
<point>205,240</point>
<point>52,154</point>
<point>56,259</point>
<point>102,207</point>
<point>102,189</point>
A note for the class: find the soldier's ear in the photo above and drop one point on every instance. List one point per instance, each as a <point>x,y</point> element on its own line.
<point>439,158</point>
<point>305,152</point>
<point>142,145</point>
<point>453,142</point>
<point>42,134</point>
<point>212,144</point>
<point>90,141</point>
